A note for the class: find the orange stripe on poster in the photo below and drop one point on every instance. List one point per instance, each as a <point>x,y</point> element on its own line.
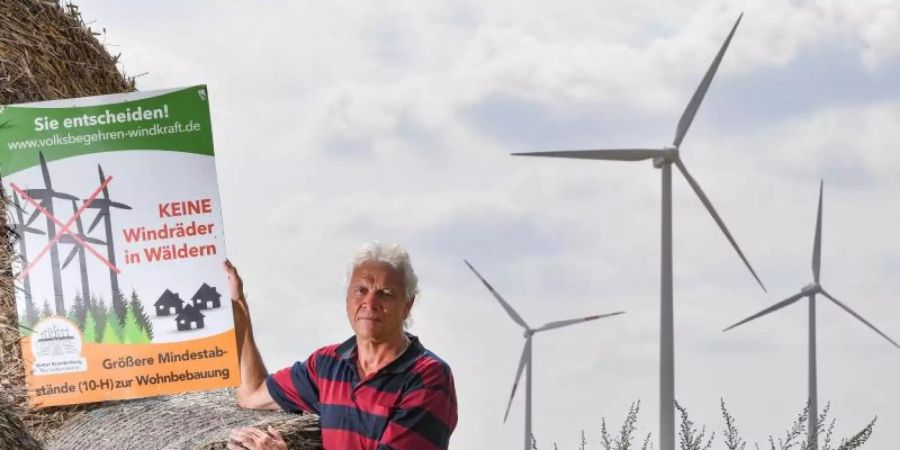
<point>117,372</point>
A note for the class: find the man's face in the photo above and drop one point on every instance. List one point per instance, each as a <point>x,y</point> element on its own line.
<point>376,301</point>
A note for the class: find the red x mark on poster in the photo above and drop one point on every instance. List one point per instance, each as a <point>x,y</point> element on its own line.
<point>64,228</point>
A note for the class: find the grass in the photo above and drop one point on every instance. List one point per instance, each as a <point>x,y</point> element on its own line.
<point>690,437</point>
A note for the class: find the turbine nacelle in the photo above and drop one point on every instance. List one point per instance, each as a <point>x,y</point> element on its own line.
<point>811,289</point>
<point>670,156</point>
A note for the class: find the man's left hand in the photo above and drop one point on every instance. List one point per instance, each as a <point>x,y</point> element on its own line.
<point>250,438</point>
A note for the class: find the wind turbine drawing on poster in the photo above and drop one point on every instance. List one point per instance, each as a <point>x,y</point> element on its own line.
<point>525,361</point>
<point>46,197</point>
<point>20,227</point>
<point>664,159</point>
<point>810,292</point>
<point>78,250</point>
<point>104,206</point>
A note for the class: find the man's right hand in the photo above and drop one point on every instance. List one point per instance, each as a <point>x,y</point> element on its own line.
<point>235,284</point>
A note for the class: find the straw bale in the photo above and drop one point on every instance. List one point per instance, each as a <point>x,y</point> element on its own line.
<point>47,52</point>
<point>17,424</point>
<point>189,421</point>
<point>12,431</point>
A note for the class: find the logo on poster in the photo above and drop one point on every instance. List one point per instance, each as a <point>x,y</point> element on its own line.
<point>56,346</point>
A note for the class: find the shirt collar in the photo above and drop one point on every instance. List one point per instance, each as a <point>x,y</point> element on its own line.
<point>347,351</point>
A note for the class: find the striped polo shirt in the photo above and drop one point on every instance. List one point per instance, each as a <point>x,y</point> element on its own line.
<point>410,404</point>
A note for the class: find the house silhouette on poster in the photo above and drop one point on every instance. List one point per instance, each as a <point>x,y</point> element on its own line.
<point>169,303</point>
<point>190,319</point>
<point>207,298</point>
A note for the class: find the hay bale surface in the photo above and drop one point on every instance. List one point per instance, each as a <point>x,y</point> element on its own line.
<point>12,431</point>
<point>47,53</point>
<point>181,422</point>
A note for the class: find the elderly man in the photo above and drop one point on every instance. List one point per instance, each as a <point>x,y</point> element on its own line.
<point>381,389</point>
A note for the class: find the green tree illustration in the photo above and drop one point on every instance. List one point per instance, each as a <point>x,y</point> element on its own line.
<point>142,318</point>
<point>112,331</point>
<point>114,326</point>
<point>90,327</point>
<point>98,307</point>
<point>118,305</point>
<point>78,311</point>
<point>72,317</point>
<point>46,311</point>
<point>133,333</point>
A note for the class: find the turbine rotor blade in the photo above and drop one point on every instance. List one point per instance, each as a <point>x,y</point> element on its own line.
<point>64,196</point>
<point>96,220</point>
<point>605,155</point>
<point>817,244</point>
<point>44,171</point>
<point>92,240</point>
<point>509,310</point>
<point>712,211</point>
<point>68,239</point>
<point>861,319</point>
<point>563,323</point>
<point>687,117</point>
<point>26,229</point>
<point>34,215</point>
<point>102,203</point>
<point>772,308</point>
<point>16,202</point>
<point>70,257</point>
<point>524,359</point>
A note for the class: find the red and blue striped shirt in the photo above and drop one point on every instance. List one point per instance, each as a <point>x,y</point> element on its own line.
<point>410,404</point>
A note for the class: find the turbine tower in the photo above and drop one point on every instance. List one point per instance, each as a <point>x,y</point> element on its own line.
<point>525,359</point>
<point>663,159</point>
<point>810,292</point>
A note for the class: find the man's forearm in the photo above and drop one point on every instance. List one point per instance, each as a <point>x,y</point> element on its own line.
<point>253,371</point>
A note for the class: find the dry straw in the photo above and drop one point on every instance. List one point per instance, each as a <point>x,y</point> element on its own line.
<point>47,52</point>
<point>12,431</point>
<point>189,421</point>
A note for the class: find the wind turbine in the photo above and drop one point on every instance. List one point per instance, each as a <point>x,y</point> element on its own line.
<point>78,249</point>
<point>525,359</point>
<point>46,196</point>
<point>105,205</point>
<point>20,227</point>
<point>810,291</point>
<point>663,159</point>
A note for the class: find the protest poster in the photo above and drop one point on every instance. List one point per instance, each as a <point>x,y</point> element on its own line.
<point>120,291</point>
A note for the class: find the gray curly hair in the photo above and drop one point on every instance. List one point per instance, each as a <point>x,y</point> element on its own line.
<point>394,255</point>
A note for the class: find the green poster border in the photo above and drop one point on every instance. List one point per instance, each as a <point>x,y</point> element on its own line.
<point>185,106</point>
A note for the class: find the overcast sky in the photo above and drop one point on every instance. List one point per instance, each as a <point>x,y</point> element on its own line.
<point>337,123</point>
